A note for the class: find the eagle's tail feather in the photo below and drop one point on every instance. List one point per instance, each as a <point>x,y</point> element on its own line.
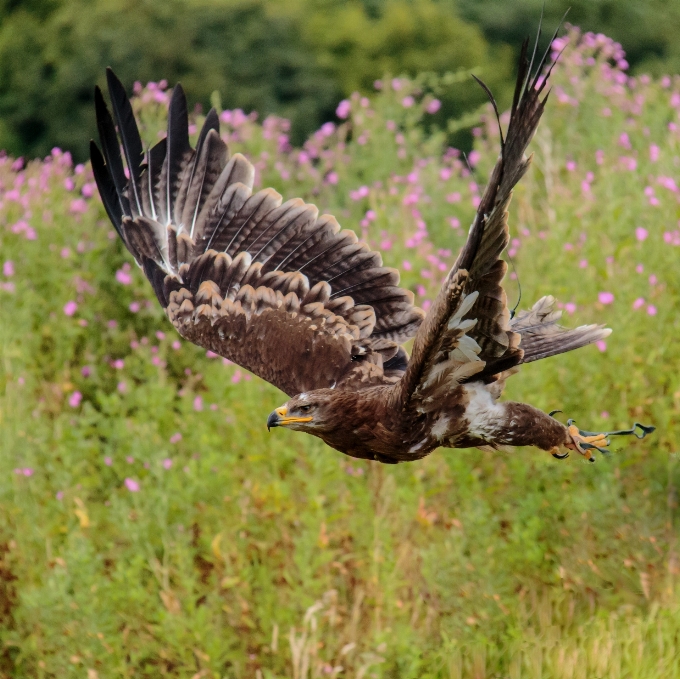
<point>543,337</point>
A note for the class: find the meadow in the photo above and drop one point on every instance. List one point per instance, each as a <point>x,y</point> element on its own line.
<point>151,526</point>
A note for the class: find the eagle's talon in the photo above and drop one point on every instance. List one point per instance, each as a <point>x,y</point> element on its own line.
<point>555,452</point>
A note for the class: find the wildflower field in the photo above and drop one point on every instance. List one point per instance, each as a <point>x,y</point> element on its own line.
<point>151,526</point>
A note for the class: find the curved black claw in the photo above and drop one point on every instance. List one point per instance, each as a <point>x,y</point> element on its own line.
<point>559,456</point>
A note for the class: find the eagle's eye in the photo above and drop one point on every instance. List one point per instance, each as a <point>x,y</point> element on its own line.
<point>305,409</point>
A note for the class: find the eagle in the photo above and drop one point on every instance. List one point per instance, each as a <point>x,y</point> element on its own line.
<point>285,293</point>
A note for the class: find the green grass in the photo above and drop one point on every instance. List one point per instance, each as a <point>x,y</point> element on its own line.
<point>263,555</point>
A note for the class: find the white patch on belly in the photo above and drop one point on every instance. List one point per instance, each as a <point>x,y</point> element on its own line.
<point>417,447</point>
<point>440,427</point>
<point>484,415</point>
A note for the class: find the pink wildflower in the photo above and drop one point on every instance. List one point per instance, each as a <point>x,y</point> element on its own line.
<point>570,307</point>
<point>78,206</point>
<point>176,437</point>
<point>74,399</point>
<point>70,308</point>
<point>343,110</point>
<point>132,485</point>
<point>8,268</point>
<point>605,297</point>
<point>198,403</point>
<point>639,302</point>
<point>651,310</point>
<point>167,463</point>
<point>654,152</point>
<point>601,345</point>
<point>641,233</point>
<point>474,157</point>
<point>433,106</point>
<point>123,277</point>
<point>134,307</point>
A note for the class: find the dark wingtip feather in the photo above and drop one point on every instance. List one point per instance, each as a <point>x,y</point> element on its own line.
<point>106,187</point>
<point>127,128</point>
<point>111,148</point>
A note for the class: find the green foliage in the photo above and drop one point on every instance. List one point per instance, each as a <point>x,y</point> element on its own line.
<point>647,30</point>
<point>150,526</point>
<point>295,58</point>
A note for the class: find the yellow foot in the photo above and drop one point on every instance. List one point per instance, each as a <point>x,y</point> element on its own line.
<point>584,444</point>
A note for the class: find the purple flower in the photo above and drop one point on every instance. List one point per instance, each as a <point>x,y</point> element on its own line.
<point>601,345</point>
<point>78,206</point>
<point>74,399</point>
<point>343,110</point>
<point>8,268</point>
<point>605,297</point>
<point>167,463</point>
<point>176,345</point>
<point>639,302</point>
<point>651,310</point>
<point>70,308</point>
<point>654,152</point>
<point>134,307</point>
<point>123,277</point>
<point>176,437</point>
<point>433,106</point>
<point>408,101</point>
<point>132,485</point>
<point>570,307</point>
<point>641,233</point>
<point>118,364</point>
<point>108,461</point>
<point>198,403</point>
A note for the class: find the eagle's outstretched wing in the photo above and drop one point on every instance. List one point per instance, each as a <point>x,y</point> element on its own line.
<point>468,333</point>
<point>274,287</point>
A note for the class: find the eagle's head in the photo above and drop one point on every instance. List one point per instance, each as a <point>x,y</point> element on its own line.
<point>310,412</point>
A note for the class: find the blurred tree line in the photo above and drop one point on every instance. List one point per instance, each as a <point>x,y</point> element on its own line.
<point>296,58</point>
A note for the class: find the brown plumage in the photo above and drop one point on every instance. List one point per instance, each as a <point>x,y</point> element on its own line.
<point>283,292</point>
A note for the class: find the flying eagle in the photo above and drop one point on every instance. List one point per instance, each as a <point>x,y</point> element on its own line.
<point>283,292</point>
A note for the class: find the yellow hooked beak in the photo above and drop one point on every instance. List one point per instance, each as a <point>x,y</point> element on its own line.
<point>278,418</point>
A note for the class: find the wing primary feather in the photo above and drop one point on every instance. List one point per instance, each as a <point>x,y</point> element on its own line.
<point>212,122</point>
<point>177,148</point>
<point>127,128</point>
<point>107,188</point>
<point>111,148</point>
<point>492,99</point>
